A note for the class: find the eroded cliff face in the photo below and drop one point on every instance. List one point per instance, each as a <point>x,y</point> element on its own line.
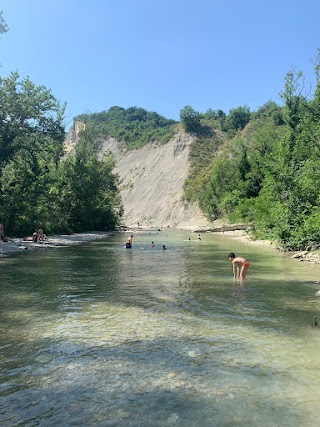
<point>151,183</point>
<point>73,136</point>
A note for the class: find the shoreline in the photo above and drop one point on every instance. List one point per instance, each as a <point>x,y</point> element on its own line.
<point>18,245</point>
<point>300,256</point>
<point>245,238</point>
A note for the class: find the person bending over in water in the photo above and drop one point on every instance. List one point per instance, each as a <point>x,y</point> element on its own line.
<point>239,266</point>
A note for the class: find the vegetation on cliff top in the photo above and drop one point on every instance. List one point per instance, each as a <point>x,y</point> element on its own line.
<point>134,126</point>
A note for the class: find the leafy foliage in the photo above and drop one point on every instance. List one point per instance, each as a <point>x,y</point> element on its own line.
<point>135,126</point>
<point>190,119</point>
<point>38,186</point>
<point>238,118</point>
<point>87,192</point>
<point>268,172</point>
<point>31,144</point>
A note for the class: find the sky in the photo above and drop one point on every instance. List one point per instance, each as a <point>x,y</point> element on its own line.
<point>160,55</point>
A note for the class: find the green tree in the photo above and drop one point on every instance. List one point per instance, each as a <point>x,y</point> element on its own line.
<point>87,193</point>
<point>30,118</point>
<point>238,118</point>
<point>294,100</point>
<point>190,119</point>
<point>26,192</point>
<point>287,205</point>
<point>31,145</point>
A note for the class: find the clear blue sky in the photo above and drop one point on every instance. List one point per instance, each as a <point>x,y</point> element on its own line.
<point>160,54</point>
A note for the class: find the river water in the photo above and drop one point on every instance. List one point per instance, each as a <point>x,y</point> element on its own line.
<point>100,335</point>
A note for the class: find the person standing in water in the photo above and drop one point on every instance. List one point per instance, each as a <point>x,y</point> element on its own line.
<point>239,266</point>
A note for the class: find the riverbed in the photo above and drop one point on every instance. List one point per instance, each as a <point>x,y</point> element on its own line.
<point>99,335</point>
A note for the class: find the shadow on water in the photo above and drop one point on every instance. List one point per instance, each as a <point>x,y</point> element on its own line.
<point>178,385</point>
<point>101,335</point>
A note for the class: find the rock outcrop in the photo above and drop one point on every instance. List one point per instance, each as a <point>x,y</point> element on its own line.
<point>307,256</point>
<point>73,136</point>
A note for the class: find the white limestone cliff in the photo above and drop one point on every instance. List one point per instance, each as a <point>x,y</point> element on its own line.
<point>152,180</point>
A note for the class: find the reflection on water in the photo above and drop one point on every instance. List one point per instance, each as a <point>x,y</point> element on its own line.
<point>99,335</point>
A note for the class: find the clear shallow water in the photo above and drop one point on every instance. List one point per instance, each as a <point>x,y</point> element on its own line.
<point>99,335</point>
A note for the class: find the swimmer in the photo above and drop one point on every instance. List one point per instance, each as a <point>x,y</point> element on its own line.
<point>164,247</point>
<point>152,244</point>
<point>239,266</point>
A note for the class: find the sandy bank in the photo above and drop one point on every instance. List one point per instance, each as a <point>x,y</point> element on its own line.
<point>300,256</point>
<point>244,237</point>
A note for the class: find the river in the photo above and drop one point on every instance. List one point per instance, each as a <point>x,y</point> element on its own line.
<point>100,335</point>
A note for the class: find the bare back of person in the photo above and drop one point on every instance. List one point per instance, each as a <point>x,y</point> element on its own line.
<point>239,266</point>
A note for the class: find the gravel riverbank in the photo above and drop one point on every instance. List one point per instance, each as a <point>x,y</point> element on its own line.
<point>17,245</point>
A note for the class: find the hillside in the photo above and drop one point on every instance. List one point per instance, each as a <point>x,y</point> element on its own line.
<point>257,167</point>
<point>152,180</point>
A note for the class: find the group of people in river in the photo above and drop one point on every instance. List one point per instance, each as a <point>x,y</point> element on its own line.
<point>128,245</point>
<point>239,264</point>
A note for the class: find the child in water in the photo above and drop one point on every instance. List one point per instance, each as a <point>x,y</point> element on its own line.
<point>239,266</point>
